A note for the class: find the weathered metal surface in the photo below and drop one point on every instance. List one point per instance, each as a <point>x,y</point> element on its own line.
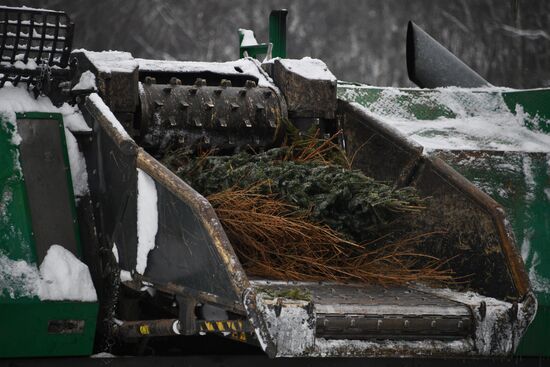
<point>111,162</point>
<point>519,181</point>
<point>191,248</point>
<point>148,328</point>
<point>375,312</point>
<point>472,227</point>
<point>195,251</point>
<point>305,97</point>
<point>430,65</point>
<point>45,166</point>
<point>220,116</point>
<point>386,324</point>
<point>377,149</point>
<point>427,104</point>
<point>37,170</point>
<point>42,37</point>
<point>118,86</point>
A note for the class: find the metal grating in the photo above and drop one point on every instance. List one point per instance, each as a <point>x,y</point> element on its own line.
<point>32,41</point>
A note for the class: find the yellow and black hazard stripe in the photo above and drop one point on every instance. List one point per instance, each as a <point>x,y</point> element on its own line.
<point>235,329</point>
<point>222,326</point>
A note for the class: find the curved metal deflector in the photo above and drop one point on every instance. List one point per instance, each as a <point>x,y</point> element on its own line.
<point>430,65</point>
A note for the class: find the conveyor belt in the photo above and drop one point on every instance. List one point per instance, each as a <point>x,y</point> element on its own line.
<point>374,312</point>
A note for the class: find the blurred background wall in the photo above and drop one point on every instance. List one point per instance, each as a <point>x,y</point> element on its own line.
<point>506,41</point>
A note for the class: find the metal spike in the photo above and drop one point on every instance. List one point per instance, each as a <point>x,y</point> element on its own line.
<point>199,82</point>
<point>175,81</point>
<point>225,83</point>
<point>250,84</point>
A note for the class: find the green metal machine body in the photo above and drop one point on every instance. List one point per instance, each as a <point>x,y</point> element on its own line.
<point>58,328</point>
<point>193,275</point>
<point>519,180</point>
<point>277,38</point>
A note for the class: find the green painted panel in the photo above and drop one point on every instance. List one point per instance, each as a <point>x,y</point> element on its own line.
<point>425,104</point>
<point>517,180</point>
<point>16,239</point>
<point>27,328</point>
<point>520,182</point>
<point>535,102</point>
<point>25,320</point>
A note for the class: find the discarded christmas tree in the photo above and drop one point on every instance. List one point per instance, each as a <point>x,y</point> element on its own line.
<point>299,212</point>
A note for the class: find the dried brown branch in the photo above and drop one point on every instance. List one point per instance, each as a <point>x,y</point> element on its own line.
<point>276,240</point>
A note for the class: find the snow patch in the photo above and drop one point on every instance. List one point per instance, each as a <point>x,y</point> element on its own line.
<point>246,66</point>
<point>65,277</point>
<point>114,249</point>
<point>248,38</point>
<point>62,276</point>
<point>86,82</point>
<point>106,111</point>
<point>111,61</point>
<point>20,62</point>
<point>147,218</point>
<point>103,355</point>
<point>125,276</point>
<point>18,278</point>
<point>77,163</point>
<point>540,283</point>
<point>18,99</point>
<point>482,119</point>
<point>309,68</point>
